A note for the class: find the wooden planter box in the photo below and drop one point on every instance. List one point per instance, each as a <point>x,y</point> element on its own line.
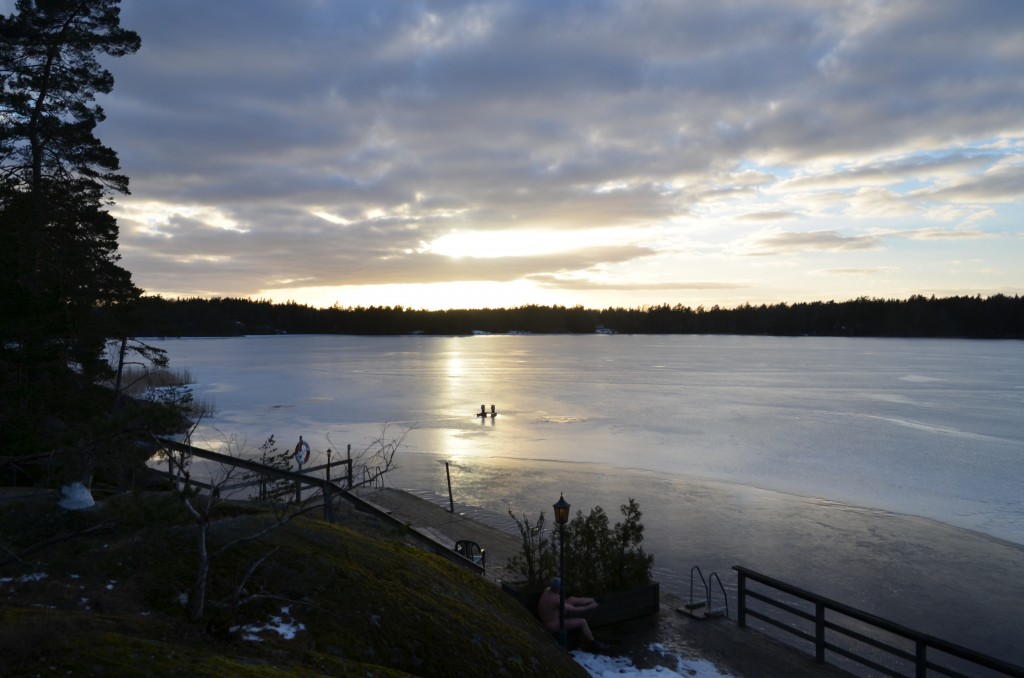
<point>614,608</point>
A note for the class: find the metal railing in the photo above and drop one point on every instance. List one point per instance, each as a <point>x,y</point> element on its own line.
<point>702,608</point>
<point>827,628</point>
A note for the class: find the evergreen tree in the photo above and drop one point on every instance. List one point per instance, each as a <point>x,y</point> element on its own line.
<point>62,286</point>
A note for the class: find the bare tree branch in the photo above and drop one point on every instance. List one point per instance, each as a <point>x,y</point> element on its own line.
<point>237,600</point>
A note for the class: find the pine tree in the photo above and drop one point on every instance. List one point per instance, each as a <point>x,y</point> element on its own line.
<point>59,253</point>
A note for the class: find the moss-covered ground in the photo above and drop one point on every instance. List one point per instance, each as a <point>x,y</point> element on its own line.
<point>102,592</point>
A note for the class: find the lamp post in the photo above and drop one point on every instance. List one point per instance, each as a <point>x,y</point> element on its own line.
<point>561,517</point>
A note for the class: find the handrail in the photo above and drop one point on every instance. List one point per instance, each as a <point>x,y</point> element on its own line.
<point>340,462</point>
<point>713,611</point>
<point>707,594</point>
<point>922,642</point>
<point>330,490</point>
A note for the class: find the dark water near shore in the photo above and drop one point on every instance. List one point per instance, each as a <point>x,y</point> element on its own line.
<point>843,466</point>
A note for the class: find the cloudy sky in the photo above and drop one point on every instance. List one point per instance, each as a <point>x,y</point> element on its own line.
<point>604,153</point>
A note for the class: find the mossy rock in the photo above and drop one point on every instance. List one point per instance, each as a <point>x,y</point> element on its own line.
<point>363,600</point>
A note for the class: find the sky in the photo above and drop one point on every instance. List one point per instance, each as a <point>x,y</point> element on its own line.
<point>604,153</point>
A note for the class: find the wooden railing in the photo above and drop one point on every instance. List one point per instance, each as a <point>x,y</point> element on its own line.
<point>827,627</point>
<point>330,491</point>
<point>327,487</point>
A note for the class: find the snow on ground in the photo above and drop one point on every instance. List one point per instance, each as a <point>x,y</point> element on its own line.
<point>600,666</point>
<point>75,497</point>
<point>284,626</point>
<point>35,576</point>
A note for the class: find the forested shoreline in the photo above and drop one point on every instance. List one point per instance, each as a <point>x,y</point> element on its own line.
<point>994,317</point>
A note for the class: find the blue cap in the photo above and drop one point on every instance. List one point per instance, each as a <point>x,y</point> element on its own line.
<point>555,584</point>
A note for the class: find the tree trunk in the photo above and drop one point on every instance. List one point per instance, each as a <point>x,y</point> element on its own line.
<point>197,601</point>
<point>120,371</point>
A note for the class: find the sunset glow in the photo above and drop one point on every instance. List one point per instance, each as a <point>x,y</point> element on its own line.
<point>488,154</point>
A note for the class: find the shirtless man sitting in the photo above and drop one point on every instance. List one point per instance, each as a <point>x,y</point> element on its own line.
<point>548,608</point>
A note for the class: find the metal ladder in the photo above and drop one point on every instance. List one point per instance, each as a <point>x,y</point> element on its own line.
<point>703,609</point>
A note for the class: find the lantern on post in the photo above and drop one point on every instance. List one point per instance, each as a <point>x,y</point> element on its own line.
<point>561,508</point>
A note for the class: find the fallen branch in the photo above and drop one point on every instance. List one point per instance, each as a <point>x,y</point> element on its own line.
<point>13,556</point>
<point>58,539</point>
<point>7,461</point>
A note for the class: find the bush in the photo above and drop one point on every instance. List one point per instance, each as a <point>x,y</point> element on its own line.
<point>537,559</point>
<point>270,488</point>
<point>598,558</point>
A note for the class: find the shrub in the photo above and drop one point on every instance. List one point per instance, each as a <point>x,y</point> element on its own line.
<point>598,557</point>
<point>270,488</point>
<point>537,559</point>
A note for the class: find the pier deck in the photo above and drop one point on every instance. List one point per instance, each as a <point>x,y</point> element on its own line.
<point>742,652</point>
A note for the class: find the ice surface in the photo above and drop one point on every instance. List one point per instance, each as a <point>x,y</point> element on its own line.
<point>921,427</point>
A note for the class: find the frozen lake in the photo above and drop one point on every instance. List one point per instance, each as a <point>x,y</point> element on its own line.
<point>933,428</point>
<point>811,459</point>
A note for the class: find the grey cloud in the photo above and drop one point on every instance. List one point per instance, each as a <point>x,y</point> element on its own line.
<point>832,241</point>
<point>232,262</point>
<point>432,268</point>
<point>766,216</point>
<point>1001,185</point>
<point>565,63</point>
<point>576,284</point>
<point>498,115</point>
<point>893,172</point>
<point>942,234</point>
<point>854,271</point>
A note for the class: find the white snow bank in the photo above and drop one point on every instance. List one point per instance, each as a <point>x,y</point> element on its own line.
<point>75,497</point>
<point>600,666</point>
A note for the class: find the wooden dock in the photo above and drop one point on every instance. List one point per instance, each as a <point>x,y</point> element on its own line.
<point>741,652</point>
<point>438,522</point>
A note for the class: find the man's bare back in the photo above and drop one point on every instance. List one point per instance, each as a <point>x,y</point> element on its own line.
<point>549,605</point>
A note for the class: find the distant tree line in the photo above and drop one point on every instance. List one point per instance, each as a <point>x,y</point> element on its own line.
<point>994,317</point>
